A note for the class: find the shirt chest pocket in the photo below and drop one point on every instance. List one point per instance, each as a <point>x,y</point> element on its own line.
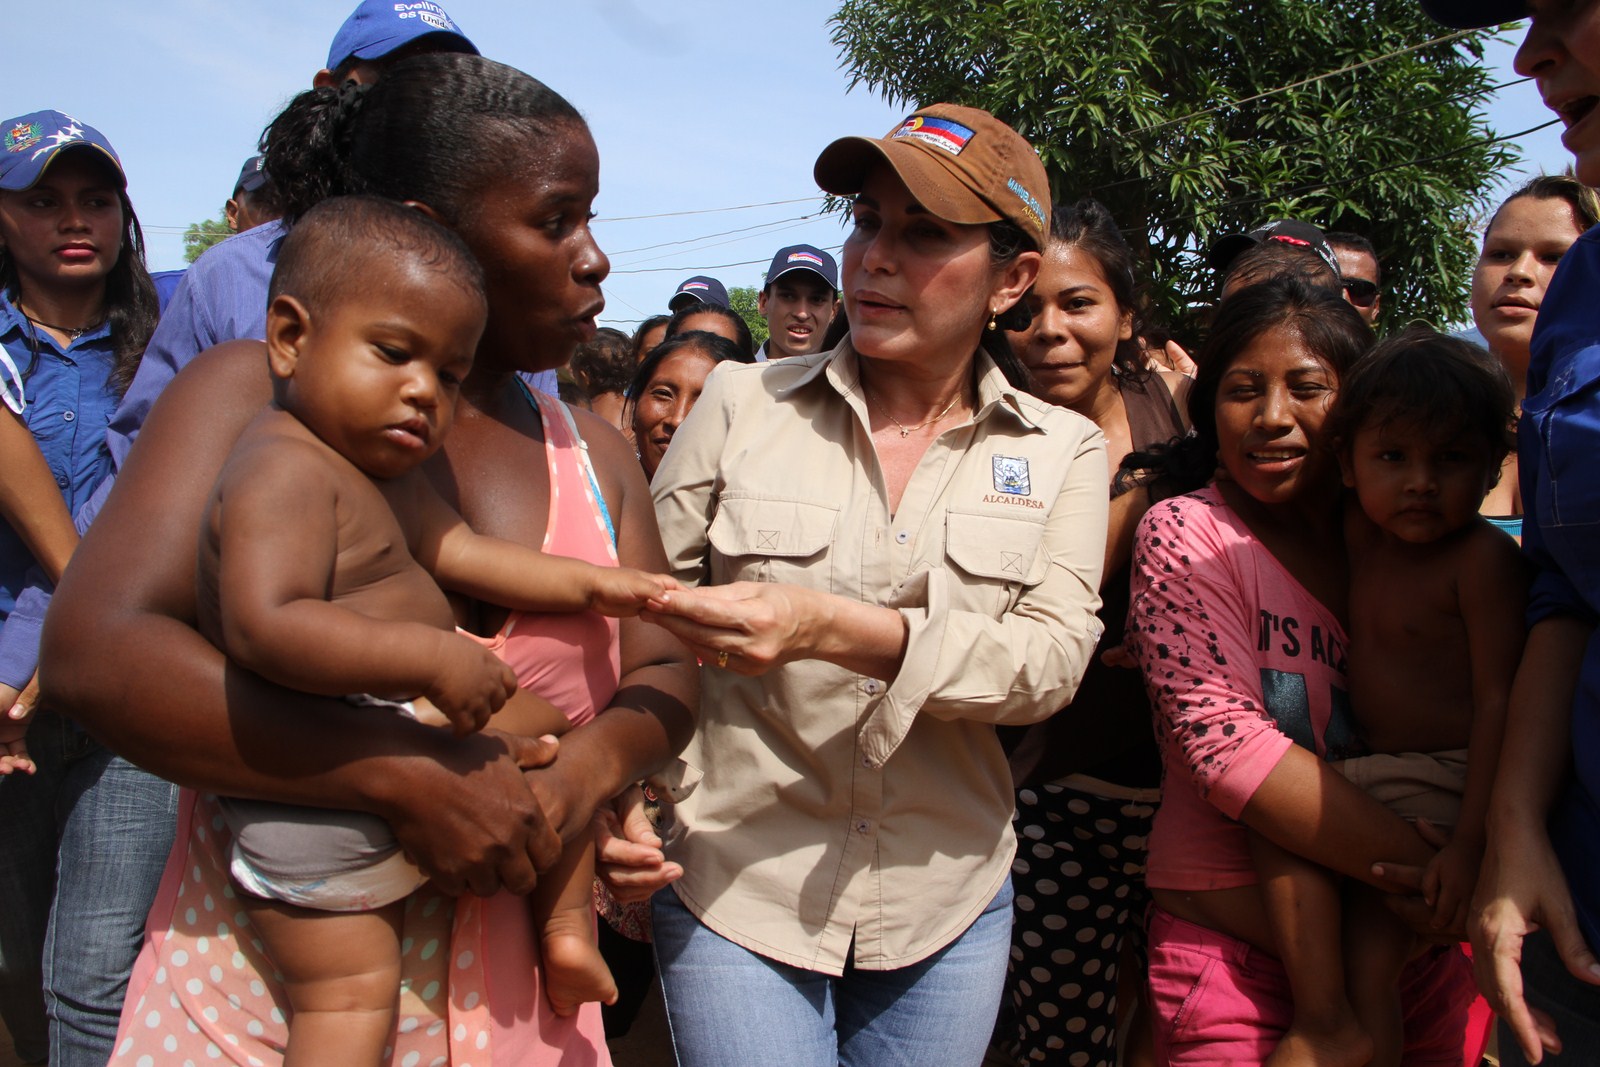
<point>996,559</point>
<point>763,540</point>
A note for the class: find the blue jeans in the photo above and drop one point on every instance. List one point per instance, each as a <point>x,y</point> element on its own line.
<point>83,842</point>
<point>1574,1005</point>
<point>730,1007</point>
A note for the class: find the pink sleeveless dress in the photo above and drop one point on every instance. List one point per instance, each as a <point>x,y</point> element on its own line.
<point>203,991</point>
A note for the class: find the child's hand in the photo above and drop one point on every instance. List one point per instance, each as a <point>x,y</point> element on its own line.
<point>469,683</point>
<point>1448,884</point>
<point>16,712</point>
<point>623,592</point>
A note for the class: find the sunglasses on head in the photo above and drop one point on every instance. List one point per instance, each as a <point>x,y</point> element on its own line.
<point>1362,292</point>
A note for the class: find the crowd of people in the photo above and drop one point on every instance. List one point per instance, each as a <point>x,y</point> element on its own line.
<point>963,674</point>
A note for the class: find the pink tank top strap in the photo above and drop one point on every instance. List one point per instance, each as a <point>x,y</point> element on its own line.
<point>573,484</point>
<point>572,660</point>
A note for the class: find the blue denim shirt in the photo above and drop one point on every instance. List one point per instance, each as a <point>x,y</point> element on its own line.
<point>69,401</point>
<point>1558,442</point>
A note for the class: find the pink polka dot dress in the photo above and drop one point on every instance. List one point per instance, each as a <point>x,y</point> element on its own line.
<point>203,991</point>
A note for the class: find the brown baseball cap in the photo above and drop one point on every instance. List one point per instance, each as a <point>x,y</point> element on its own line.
<point>960,163</point>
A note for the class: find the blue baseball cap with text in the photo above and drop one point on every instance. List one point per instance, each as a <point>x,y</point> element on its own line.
<point>378,27</point>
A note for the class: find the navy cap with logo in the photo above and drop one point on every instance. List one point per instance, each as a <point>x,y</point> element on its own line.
<point>804,257</point>
<point>29,143</point>
<point>699,288</point>
<point>1224,250</point>
<point>251,176</point>
<point>378,27</point>
<point>1474,14</point>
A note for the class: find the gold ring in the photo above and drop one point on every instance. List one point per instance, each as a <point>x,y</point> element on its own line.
<point>722,659</point>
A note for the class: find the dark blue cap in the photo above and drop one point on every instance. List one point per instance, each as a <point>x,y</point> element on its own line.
<point>1473,14</point>
<point>251,176</point>
<point>699,288</point>
<point>378,27</point>
<point>804,257</point>
<point>30,142</point>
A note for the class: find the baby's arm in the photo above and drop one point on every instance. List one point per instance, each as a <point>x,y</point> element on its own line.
<point>1493,593</point>
<point>278,538</point>
<point>522,578</point>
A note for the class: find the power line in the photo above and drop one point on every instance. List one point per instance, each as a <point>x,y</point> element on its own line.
<point>704,267</point>
<point>1309,81</point>
<point>718,244</point>
<point>707,237</point>
<point>1333,130</point>
<point>1311,187</point>
<point>703,211</point>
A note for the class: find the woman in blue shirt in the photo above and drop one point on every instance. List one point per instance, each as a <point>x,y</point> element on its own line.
<point>78,308</point>
<point>1536,919</point>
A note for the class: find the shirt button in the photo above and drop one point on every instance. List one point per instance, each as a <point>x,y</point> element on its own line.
<point>866,761</point>
<point>61,480</point>
<point>67,416</point>
<point>873,686</point>
<point>863,826</point>
<point>902,537</point>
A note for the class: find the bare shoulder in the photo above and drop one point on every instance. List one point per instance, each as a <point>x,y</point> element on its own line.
<point>276,449</point>
<point>605,441</point>
<point>232,376</point>
<point>1492,558</point>
<point>616,464</point>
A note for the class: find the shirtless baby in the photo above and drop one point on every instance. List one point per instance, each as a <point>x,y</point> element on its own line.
<point>1422,424</point>
<point>322,555</point>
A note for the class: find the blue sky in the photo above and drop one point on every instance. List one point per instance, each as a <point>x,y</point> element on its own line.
<point>696,109</point>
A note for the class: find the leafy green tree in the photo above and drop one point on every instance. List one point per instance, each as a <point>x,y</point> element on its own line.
<point>203,234</point>
<point>742,298</point>
<point>1190,119</point>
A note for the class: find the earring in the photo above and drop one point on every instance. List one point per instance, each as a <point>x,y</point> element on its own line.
<point>991,320</point>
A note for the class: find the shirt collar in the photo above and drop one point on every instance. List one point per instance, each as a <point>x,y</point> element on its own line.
<point>13,323</point>
<point>841,368</point>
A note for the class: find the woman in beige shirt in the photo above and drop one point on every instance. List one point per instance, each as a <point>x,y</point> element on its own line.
<point>895,549</point>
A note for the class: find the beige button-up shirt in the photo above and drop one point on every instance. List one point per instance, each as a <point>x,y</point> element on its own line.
<point>837,807</point>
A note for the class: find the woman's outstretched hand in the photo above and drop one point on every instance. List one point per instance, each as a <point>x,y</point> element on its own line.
<point>1521,888</point>
<point>747,627</point>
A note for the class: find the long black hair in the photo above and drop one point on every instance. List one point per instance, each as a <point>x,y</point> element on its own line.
<point>713,346</point>
<point>746,343</point>
<point>1089,227</point>
<point>435,128</point>
<point>1325,323</point>
<point>131,304</point>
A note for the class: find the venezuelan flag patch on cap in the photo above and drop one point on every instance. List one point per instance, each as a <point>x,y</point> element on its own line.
<point>943,134</point>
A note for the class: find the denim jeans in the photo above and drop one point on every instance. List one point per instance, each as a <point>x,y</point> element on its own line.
<point>83,842</point>
<point>730,1007</point>
<point>1574,1005</point>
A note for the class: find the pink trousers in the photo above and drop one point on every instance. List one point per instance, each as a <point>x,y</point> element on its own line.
<point>1218,1002</point>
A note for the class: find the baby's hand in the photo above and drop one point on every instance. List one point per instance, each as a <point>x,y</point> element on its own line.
<point>469,683</point>
<point>1448,883</point>
<point>623,592</point>
<point>16,712</point>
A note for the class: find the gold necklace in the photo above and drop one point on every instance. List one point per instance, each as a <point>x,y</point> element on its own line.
<point>905,431</point>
